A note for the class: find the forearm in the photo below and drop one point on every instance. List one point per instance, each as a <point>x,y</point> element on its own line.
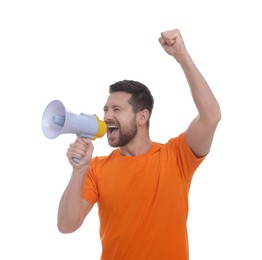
<point>70,206</point>
<point>205,101</point>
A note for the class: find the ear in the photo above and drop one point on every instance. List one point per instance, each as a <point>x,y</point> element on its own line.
<point>142,117</point>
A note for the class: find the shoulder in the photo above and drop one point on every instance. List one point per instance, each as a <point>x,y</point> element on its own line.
<point>174,143</point>
<point>179,146</point>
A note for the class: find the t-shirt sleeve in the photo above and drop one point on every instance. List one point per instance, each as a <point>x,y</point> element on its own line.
<point>90,190</point>
<point>187,161</point>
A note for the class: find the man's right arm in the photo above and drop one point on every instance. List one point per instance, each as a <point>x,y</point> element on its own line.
<point>73,208</point>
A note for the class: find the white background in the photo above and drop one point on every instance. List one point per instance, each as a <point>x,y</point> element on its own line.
<point>72,51</point>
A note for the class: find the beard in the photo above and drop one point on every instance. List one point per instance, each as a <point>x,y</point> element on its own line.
<point>124,135</point>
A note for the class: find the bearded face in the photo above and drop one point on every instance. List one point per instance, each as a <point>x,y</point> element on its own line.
<point>120,119</point>
<point>121,134</point>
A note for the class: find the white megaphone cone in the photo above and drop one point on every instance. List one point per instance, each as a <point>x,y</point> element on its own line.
<point>58,120</point>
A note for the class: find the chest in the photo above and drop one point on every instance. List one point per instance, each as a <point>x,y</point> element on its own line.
<point>128,178</point>
<point>127,183</point>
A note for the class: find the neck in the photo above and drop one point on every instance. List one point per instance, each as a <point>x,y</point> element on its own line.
<point>136,148</point>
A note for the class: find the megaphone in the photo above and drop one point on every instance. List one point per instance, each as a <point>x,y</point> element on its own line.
<point>57,120</point>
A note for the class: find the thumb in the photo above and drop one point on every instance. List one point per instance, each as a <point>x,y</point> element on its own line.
<point>162,40</point>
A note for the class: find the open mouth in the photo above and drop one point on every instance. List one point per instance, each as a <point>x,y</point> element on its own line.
<point>112,128</point>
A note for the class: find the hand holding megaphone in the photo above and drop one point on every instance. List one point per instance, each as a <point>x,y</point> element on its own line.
<point>58,120</point>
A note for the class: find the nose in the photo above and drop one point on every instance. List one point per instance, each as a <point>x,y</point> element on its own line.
<point>108,115</point>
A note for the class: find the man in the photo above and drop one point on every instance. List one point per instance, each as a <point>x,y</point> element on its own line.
<point>142,187</point>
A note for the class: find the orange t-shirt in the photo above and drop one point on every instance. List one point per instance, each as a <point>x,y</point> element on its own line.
<point>143,201</point>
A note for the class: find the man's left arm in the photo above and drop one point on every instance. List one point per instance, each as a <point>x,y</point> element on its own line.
<point>201,130</point>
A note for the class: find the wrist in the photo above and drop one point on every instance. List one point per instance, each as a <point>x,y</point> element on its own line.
<point>183,58</point>
<point>79,171</point>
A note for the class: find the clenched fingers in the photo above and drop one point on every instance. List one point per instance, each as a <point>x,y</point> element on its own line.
<point>81,148</point>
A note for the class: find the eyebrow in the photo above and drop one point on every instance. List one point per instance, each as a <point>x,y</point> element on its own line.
<point>114,106</point>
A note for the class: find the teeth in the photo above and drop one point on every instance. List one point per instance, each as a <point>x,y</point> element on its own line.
<point>112,128</point>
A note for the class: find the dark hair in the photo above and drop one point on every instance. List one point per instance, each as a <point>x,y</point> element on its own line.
<point>141,96</point>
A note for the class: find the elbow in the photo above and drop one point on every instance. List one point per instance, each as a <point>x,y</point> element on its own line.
<point>218,115</point>
<point>62,230</point>
<point>65,228</point>
<point>213,119</point>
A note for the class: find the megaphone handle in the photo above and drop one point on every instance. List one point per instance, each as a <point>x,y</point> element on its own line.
<point>76,160</point>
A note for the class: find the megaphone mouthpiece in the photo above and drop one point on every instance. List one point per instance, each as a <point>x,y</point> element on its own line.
<point>58,120</point>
